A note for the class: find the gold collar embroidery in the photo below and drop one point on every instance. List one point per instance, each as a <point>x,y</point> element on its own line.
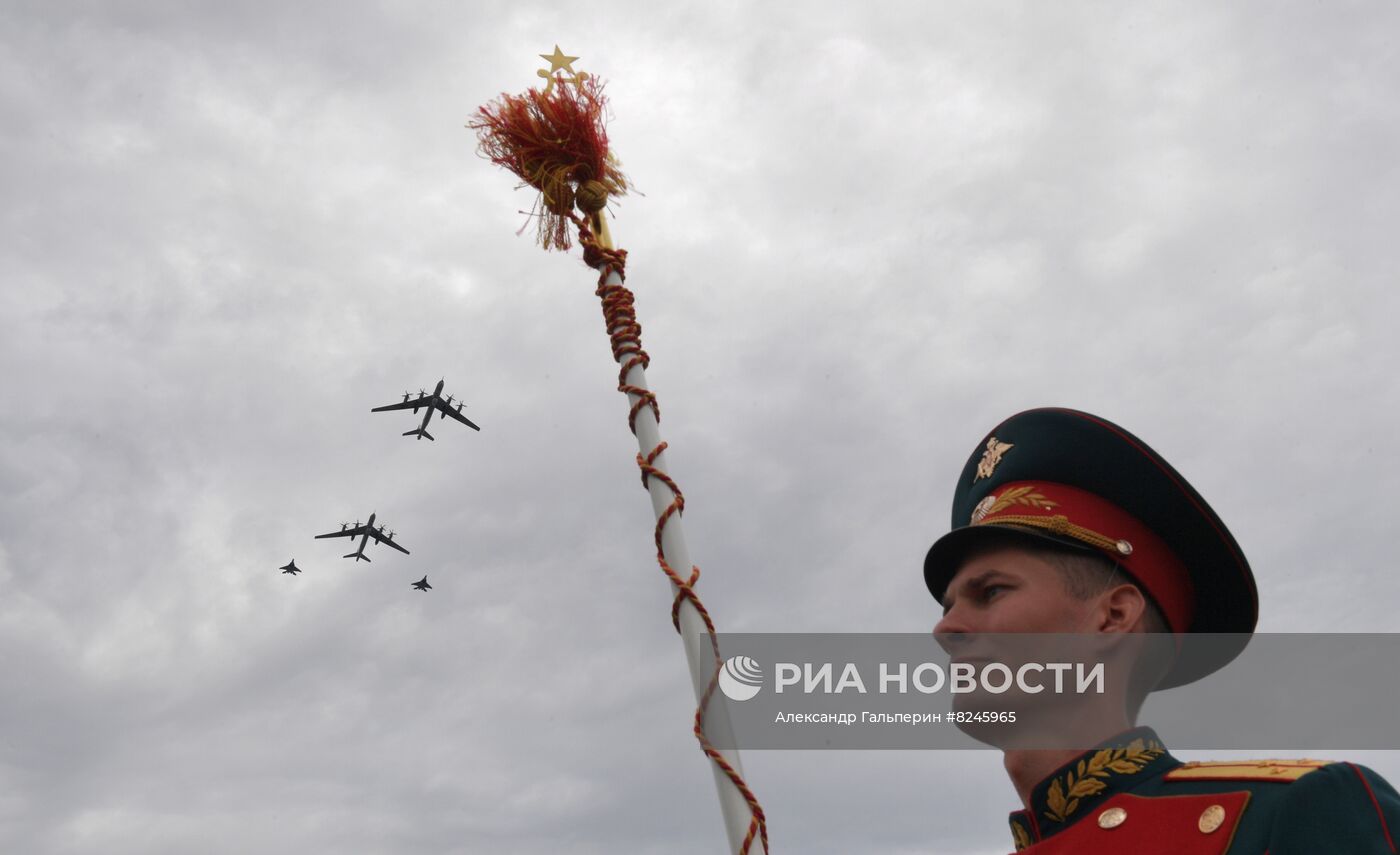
<point>1087,778</point>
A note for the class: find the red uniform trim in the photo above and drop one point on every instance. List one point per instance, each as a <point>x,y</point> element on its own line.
<point>1150,820</point>
<point>1376,804</point>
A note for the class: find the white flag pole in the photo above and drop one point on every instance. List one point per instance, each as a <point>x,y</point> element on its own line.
<point>557,144</point>
<point>746,835</point>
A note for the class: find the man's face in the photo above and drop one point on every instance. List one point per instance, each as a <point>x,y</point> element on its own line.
<point>1011,608</point>
<point>1010,591</point>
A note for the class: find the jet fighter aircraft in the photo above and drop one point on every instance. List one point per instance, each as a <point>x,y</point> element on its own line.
<point>291,568</point>
<point>431,401</point>
<point>422,584</point>
<point>365,532</point>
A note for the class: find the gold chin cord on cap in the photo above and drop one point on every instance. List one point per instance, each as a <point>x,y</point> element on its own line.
<point>1060,524</point>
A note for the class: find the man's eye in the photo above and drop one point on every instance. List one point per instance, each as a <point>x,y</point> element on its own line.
<point>991,591</point>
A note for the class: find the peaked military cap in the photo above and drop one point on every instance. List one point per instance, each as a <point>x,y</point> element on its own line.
<point>1084,483</point>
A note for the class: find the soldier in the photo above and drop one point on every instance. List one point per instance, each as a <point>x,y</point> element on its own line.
<point>1066,523</point>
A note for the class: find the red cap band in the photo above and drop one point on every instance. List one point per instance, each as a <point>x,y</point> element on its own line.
<point>1107,528</point>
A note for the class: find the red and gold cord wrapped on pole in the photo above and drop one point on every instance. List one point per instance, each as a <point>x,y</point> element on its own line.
<point>555,142</point>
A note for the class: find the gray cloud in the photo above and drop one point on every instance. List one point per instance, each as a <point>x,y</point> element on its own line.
<point>867,235</point>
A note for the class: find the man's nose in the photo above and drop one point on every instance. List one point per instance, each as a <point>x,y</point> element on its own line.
<point>952,632</point>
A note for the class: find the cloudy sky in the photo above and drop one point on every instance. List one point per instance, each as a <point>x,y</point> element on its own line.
<point>869,233</point>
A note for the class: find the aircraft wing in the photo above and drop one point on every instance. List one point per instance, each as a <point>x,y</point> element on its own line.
<point>380,538</point>
<point>349,532</point>
<point>410,404</point>
<point>456,414</point>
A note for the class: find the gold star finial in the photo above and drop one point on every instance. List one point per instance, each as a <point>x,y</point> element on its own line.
<point>558,60</point>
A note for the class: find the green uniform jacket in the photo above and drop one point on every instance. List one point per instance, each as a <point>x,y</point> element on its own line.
<point>1131,797</point>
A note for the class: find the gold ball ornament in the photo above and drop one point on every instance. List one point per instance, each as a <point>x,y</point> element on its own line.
<point>591,197</point>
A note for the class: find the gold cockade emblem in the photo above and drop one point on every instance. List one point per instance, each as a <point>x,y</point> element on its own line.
<point>983,508</point>
<point>990,458</point>
<point>1015,496</point>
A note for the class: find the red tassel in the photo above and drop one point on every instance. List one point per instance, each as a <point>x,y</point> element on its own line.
<point>554,143</point>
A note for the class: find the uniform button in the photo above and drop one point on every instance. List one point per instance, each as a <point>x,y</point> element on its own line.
<point>1211,818</point>
<point>1112,818</point>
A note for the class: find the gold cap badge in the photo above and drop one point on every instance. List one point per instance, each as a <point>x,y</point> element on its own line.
<point>990,458</point>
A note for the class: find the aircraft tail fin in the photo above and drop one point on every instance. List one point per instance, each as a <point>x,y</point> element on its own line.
<point>420,433</point>
<point>357,556</point>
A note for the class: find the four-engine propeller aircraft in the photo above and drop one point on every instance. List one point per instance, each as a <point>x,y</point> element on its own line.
<point>432,401</point>
<point>365,532</point>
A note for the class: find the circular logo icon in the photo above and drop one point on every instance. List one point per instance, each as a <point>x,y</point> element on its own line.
<point>740,678</point>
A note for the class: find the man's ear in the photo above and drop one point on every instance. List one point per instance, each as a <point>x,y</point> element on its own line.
<point>1121,609</point>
